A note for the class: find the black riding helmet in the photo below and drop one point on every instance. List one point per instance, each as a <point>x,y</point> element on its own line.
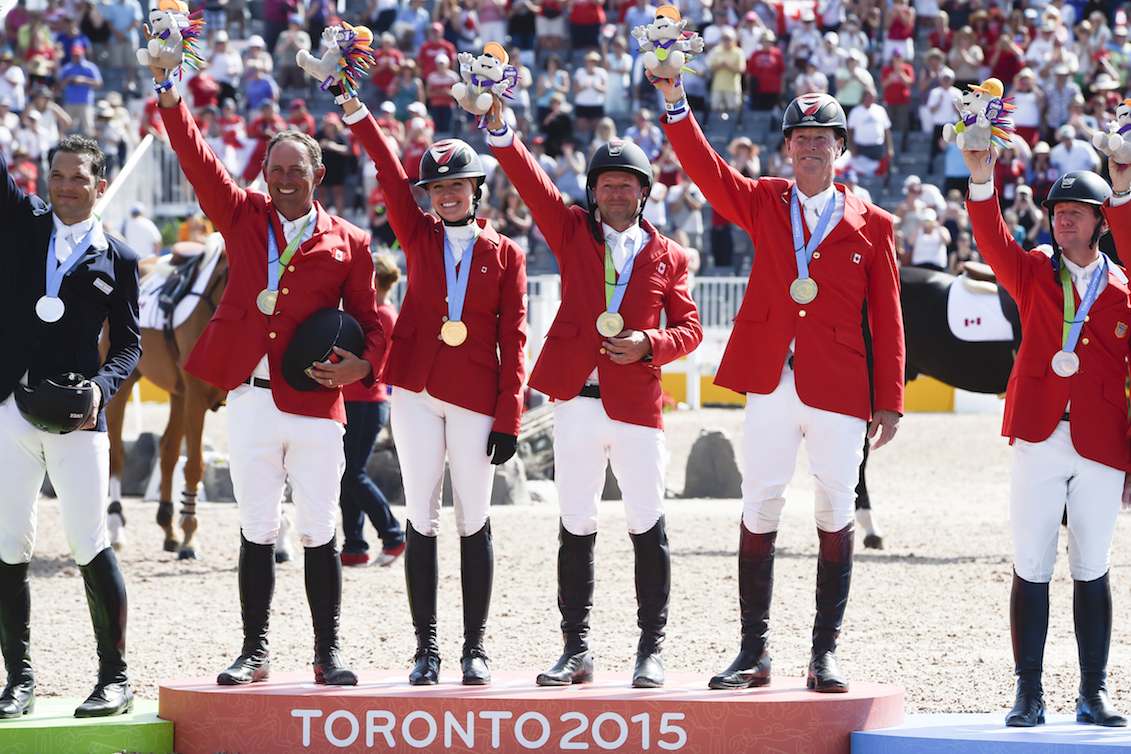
<point>453,158</point>
<point>57,405</point>
<point>815,110</point>
<point>621,155</point>
<point>1083,187</point>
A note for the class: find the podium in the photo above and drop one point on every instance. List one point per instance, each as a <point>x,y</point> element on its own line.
<point>53,729</point>
<point>289,713</point>
<point>987,734</point>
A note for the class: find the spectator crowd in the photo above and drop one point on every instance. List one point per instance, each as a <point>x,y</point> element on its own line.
<point>896,66</point>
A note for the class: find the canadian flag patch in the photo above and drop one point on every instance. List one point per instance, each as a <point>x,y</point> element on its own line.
<point>856,259</point>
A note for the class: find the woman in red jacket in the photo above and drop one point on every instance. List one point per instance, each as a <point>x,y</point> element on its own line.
<point>457,368</point>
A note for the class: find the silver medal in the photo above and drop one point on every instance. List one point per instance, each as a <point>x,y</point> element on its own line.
<point>1065,363</point>
<point>49,308</point>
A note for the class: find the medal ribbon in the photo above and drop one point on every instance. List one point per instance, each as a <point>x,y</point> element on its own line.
<point>457,280</point>
<point>616,285</point>
<point>1073,319</point>
<point>804,251</point>
<point>56,271</point>
<point>275,270</point>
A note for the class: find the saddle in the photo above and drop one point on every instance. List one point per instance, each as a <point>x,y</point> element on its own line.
<point>177,287</point>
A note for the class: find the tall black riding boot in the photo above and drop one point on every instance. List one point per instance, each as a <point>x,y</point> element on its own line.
<point>257,587</point>
<point>576,574</point>
<point>421,574</point>
<point>477,573</point>
<point>106,597</point>
<point>653,587</point>
<point>1028,626</point>
<point>18,698</point>
<point>1091,609</point>
<point>755,589</point>
<point>834,576</point>
<point>323,572</point>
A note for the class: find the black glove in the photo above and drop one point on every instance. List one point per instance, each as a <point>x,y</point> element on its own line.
<point>501,446</point>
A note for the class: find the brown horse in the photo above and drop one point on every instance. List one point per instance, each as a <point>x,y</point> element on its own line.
<point>163,354</point>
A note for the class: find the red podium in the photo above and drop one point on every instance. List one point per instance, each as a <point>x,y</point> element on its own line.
<point>383,713</point>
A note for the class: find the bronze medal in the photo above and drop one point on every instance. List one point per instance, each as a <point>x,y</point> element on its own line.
<point>610,324</point>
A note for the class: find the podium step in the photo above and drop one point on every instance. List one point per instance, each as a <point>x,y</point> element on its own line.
<point>987,734</point>
<point>383,713</point>
<point>53,729</point>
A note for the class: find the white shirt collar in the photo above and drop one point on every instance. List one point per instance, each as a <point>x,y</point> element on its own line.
<point>76,231</point>
<point>1086,272</point>
<point>291,226</point>
<point>631,233</point>
<point>818,200</point>
<point>461,234</point>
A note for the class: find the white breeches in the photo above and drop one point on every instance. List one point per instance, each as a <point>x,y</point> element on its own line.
<point>1046,477</point>
<point>268,447</point>
<point>585,441</point>
<point>426,430</point>
<point>774,426</point>
<point>79,466</point>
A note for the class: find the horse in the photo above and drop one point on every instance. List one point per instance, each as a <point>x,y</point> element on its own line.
<point>933,349</point>
<point>162,362</point>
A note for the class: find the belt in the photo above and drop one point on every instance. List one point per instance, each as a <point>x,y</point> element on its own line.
<point>590,391</point>
<point>258,382</point>
<point>1065,417</point>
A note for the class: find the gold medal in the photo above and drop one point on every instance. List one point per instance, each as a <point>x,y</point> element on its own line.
<point>266,301</point>
<point>803,290</point>
<point>453,333</point>
<point>610,324</point>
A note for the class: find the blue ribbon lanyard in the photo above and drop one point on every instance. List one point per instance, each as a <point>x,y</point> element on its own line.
<point>804,251</point>
<point>1072,334</point>
<point>275,270</point>
<point>620,285</point>
<point>56,271</point>
<point>457,280</point>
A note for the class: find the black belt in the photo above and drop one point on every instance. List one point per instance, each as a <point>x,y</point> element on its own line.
<point>590,391</point>
<point>258,382</point>
<point>1065,417</point>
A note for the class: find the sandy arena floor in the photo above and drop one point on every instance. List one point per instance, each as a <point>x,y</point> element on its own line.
<point>930,612</point>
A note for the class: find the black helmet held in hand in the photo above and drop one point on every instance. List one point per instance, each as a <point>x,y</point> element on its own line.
<point>450,158</point>
<point>314,340</point>
<point>59,404</point>
<point>1082,186</point>
<point>815,110</point>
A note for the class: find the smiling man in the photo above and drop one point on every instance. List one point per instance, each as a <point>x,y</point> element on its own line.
<point>601,366</point>
<point>288,259</point>
<point>824,270</point>
<point>63,279</point>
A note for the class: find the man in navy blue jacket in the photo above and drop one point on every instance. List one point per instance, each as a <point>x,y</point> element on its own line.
<point>62,279</point>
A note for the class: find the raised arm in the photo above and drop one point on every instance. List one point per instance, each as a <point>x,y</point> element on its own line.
<point>405,215</point>
<point>995,243</point>
<point>535,187</point>
<point>13,199</point>
<point>1118,209</point>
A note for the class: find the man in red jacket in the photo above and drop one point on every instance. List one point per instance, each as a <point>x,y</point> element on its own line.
<point>1066,417</point>
<point>825,268</point>
<point>601,366</point>
<point>288,259</point>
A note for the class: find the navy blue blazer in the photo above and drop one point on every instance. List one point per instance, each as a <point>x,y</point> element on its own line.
<point>103,286</point>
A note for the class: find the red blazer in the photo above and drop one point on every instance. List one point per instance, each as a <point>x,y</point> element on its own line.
<point>856,266</point>
<point>1036,396</point>
<point>486,373</point>
<point>631,392</point>
<point>333,267</point>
